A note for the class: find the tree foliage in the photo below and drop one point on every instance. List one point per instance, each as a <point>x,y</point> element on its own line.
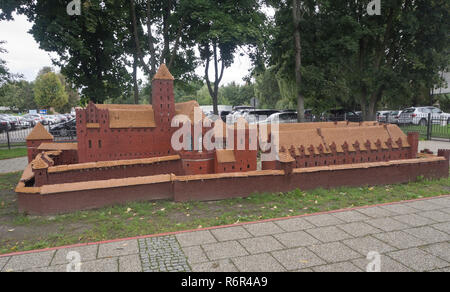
<point>49,92</point>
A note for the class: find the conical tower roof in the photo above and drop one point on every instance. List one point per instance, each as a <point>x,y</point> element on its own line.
<point>163,73</point>
<point>39,133</point>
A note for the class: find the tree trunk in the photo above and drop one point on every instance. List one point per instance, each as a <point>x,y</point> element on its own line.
<point>135,83</point>
<point>218,75</point>
<point>298,61</point>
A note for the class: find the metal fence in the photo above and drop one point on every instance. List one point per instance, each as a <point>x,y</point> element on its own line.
<point>429,126</point>
<point>17,137</point>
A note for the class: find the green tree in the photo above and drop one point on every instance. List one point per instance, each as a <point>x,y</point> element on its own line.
<point>49,92</point>
<point>219,27</point>
<point>17,95</point>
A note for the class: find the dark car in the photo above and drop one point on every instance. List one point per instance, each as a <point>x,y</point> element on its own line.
<point>4,125</point>
<point>337,115</point>
<point>67,129</point>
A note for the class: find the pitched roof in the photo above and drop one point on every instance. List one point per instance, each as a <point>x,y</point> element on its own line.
<point>324,137</point>
<point>115,163</point>
<point>225,156</point>
<point>39,133</point>
<point>122,116</point>
<point>39,162</point>
<point>163,73</point>
<point>131,118</point>
<point>58,146</point>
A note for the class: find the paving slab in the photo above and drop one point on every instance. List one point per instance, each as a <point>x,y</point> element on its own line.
<point>437,216</point>
<point>261,244</point>
<point>346,267</point>
<point>428,234</point>
<point>350,216</point>
<point>296,239</point>
<point>115,249</point>
<point>3,262</point>
<point>223,250</point>
<point>323,220</point>
<point>329,234</point>
<point>334,252</point>
<point>441,250</point>
<point>195,238</point>
<point>414,220</point>
<point>230,233</point>
<point>297,259</point>
<point>423,205</point>
<point>440,201</point>
<point>442,227</point>
<point>368,244</point>
<point>130,263</point>
<point>87,253</point>
<point>101,265</point>
<point>387,224</point>
<point>215,266</point>
<point>359,229</point>
<point>295,224</point>
<point>400,209</point>
<point>446,210</point>
<point>388,265</point>
<point>418,260</point>
<point>262,229</point>
<point>376,212</point>
<point>29,261</point>
<point>195,254</point>
<point>258,263</point>
<point>399,239</point>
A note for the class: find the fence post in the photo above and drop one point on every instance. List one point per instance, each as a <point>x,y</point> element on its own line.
<point>429,127</point>
<point>7,137</point>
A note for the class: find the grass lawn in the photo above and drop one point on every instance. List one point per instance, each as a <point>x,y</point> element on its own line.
<point>20,232</point>
<point>13,153</point>
<point>437,131</point>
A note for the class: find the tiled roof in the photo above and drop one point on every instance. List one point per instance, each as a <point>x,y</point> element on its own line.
<point>142,116</point>
<point>163,73</point>
<point>225,156</point>
<point>322,139</point>
<point>39,133</point>
<point>131,118</point>
<point>58,146</point>
<point>115,163</point>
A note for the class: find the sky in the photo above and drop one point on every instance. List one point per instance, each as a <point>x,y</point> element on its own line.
<point>24,56</point>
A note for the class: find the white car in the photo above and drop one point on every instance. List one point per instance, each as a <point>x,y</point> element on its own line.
<point>419,116</point>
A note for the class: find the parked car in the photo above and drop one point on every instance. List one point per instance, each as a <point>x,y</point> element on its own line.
<point>419,116</point>
<point>36,118</point>
<point>14,124</point>
<point>256,116</point>
<point>281,118</point>
<point>67,129</point>
<point>4,125</point>
<point>336,115</point>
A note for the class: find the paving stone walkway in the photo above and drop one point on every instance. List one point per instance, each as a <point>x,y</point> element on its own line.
<point>13,165</point>
<point>409,236</point>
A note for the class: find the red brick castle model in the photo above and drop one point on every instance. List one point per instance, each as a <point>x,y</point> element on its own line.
<point>128,153</point>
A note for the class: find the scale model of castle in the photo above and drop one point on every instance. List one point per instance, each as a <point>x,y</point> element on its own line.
<point>125,153</point>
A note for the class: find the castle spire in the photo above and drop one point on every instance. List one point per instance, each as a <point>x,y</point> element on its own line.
<point>163,73</point>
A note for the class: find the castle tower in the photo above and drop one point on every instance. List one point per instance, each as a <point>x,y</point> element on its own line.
<point>37,136</point>
<point>163,99</point>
